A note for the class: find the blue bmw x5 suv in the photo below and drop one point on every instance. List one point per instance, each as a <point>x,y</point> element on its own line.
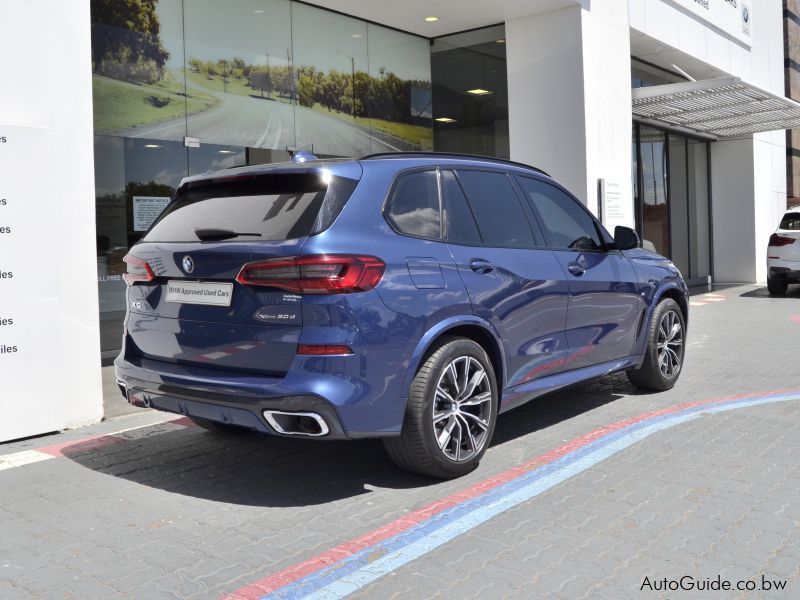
<point>411,297</point>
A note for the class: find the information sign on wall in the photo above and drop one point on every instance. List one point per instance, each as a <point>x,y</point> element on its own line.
<point>29,301</point>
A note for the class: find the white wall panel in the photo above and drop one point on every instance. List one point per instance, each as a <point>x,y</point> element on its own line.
<point>52,90</point>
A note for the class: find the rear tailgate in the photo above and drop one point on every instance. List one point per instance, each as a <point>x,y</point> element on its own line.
<point>186,306</point>
<point>256,331</point>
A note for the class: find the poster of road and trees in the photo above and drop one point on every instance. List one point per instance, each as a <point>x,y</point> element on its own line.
<point>258,73</point>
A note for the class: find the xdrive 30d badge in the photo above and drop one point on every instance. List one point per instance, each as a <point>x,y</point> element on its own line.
<point>411,297</point>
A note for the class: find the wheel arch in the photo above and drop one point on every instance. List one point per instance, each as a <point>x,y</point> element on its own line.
<point>672,291</point>
<point>679,296</point>
<point>470,327</point>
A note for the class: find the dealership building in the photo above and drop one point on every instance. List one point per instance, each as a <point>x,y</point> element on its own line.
<point>669,116</point>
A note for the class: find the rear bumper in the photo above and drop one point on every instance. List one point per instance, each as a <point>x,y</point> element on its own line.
<point>232,410</point>
<point>786,271</point>
<point>343,403</point>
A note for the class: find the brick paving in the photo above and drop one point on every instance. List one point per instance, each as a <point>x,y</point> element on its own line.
<point>170,511</point>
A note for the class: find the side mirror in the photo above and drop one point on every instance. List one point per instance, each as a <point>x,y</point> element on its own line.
<point>625,238</point>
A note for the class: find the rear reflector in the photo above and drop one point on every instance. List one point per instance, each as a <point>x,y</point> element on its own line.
<point>780,240</point>
<point>315,274</point>
<point>322,350</point>
<point>138,270</point>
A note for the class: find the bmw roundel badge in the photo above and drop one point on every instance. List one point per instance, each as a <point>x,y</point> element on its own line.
<point>188,264</point>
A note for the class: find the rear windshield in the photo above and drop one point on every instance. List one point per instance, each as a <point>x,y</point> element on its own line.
<point>791,221</point>
<point>267,207</point>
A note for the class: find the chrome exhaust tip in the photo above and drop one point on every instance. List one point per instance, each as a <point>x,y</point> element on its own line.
<point>306,424</point>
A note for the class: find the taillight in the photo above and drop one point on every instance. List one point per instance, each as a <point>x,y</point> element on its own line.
<point>780,240</point>
<point>316,274</point>
<point>138,270</point>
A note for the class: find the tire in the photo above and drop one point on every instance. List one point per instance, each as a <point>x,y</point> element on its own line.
<point>417,449</point>
<point>777,287</point>
<point>666,349</point>
<point>219,428</point>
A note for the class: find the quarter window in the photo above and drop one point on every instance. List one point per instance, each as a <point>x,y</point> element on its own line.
<point>459,222</point>
<point>500,217</point>
<point>566,223</point>
<point>415,205</point>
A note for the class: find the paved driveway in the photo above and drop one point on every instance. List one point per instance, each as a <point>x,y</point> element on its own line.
<point>597,492</point>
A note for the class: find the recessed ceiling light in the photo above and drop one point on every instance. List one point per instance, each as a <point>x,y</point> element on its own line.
<point>356,35</point>
<point>445,120</point>
<point>431,19</point>
<point>478,92</point>
<point>225,151</point>
<point>259,11</point>
<point>152,146</point>
<point>501,41</point>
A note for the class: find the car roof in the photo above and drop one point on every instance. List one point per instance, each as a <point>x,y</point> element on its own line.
<point>454,157</point>
<point>352,167</point>
<point>793,209</point>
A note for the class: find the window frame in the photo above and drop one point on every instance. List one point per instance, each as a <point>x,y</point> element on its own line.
<point>606,246</point>
<point>392,193</point>
<point>533,225</point>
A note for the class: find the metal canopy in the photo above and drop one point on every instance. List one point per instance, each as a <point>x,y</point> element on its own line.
<point>719,107</point>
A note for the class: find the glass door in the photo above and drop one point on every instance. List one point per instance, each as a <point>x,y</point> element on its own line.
<point>671,195</point>
<point>679,203</point>
<point>699,221</point>
<point>653,193</point>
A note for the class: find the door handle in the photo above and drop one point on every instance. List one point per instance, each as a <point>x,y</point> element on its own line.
<point>481,266</point>
<point>576,269</point>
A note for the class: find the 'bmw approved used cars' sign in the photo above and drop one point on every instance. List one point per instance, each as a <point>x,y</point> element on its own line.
<point>732,17</point>
<point>195,292</point>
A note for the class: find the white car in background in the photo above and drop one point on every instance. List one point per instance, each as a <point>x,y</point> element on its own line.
<point>783,254</point>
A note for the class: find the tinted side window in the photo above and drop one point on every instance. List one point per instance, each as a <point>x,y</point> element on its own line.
<point>498,212</point>
<point>566,223</point>
<point>459,222</point>
<point>415,205</point>
<point>791,221</point>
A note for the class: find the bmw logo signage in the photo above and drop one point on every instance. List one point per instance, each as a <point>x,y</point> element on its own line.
<point>188,264</point>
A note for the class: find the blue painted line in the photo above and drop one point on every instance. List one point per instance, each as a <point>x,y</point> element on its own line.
<point>365,566</point>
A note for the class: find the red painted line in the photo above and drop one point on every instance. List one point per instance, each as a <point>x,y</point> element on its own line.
<point>93,442</point>
<point>82,445</point>
<point>295,572</point>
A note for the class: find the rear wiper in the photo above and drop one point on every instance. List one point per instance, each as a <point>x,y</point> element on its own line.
<point>206,234</point>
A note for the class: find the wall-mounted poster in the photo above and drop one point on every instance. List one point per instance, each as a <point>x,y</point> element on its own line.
<point>137,67</point>
<point>240,53</point>
<point>258,73</point>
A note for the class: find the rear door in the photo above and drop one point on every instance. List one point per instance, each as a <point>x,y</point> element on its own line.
<point>513,281</point>
<point>604,306</point>
<point>192,311</point>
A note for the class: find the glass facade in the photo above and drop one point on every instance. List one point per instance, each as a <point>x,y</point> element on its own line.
<point>671,196</point>
<point>251,80</point>
<point>670,186</point>
<point>470,92</point>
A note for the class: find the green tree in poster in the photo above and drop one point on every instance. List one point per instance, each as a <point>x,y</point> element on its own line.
<point>260,78</point>
<point>126,41</point>
<point>309,86</point>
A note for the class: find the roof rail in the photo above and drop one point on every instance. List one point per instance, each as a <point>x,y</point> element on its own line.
<point>430,154</point>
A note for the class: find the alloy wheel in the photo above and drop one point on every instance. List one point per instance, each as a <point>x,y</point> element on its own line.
<point>462,409</point>
<point>670,344</point>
